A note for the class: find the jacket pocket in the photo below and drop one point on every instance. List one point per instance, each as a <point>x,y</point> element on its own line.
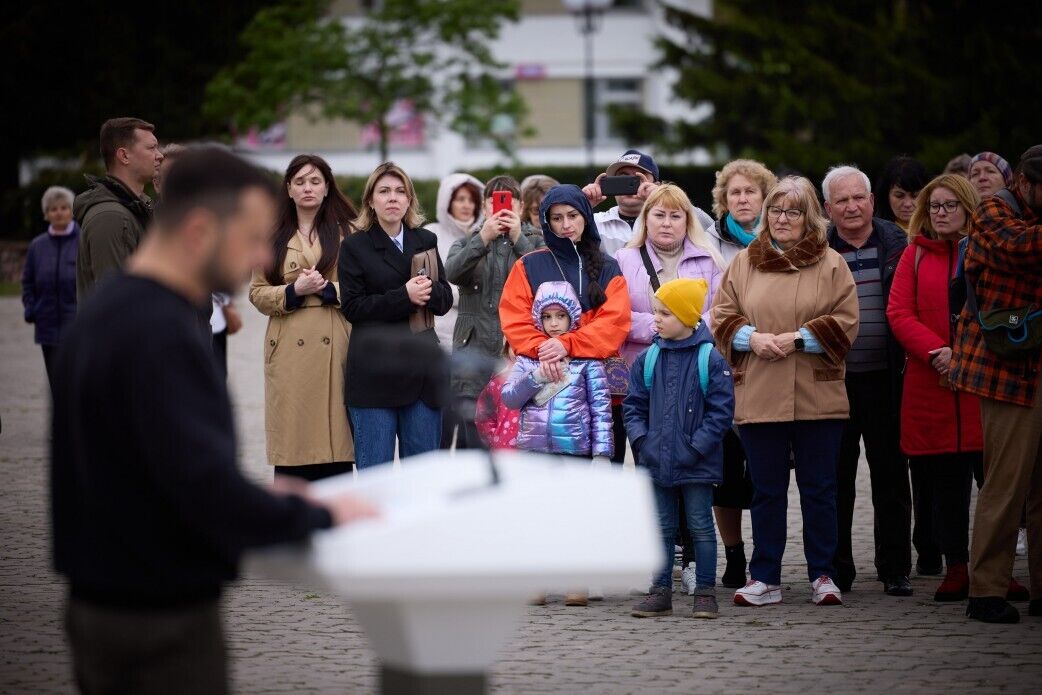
<point>463,333</point>
<point>271,340</point>
<point>828,374</point>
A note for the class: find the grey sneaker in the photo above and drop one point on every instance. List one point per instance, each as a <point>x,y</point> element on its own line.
<point>658,603</point>
<point>705,603</point>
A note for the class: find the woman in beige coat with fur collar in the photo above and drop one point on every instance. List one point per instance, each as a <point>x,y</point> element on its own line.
<point>784,317</point>
<point>305,346</point>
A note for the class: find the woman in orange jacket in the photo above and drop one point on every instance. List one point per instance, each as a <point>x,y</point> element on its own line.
<point>573,254</point>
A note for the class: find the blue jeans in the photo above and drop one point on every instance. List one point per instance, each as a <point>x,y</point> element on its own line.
<point>697,501</point>
<point>417,428</point>
<point>815,447</point>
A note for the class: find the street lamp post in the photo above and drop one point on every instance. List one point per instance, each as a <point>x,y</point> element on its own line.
<point>588,13</point>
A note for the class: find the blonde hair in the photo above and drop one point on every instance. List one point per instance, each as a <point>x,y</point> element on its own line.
<point>672,197</point>
<point>750,169</point>
<point>963,190</point>
<point>802,191</point>
<point>413,218</point>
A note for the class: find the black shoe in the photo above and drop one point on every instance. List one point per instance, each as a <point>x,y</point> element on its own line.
<point>844,580</point>
<point>1035,608</point>
<point>991,609</point>
<point>734,574</point>
<point>897,586</point>
<point>929,570</point>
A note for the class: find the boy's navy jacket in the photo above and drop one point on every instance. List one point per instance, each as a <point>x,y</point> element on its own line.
<point>683,431</point>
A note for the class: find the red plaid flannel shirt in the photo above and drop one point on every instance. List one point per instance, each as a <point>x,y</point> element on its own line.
<point>1004,264</point>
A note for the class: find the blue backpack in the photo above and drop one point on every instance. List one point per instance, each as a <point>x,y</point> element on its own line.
<point>704,351</point>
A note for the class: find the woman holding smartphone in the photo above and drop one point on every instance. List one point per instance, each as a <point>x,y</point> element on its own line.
<point>479,264</point>
<point>393,284</point>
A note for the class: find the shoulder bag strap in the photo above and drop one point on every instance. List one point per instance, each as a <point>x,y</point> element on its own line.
<point>652,275</point>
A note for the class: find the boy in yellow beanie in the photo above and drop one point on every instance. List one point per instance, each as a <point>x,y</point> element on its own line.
<point>679,406</point>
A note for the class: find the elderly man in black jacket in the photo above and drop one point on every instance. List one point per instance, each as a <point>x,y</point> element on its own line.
<point>150,512</point>
<point>871,248</point>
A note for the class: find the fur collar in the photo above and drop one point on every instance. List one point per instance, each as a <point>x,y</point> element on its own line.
<point>766,258</point>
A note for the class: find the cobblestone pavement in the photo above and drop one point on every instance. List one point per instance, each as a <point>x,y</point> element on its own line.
<point>288,639</point>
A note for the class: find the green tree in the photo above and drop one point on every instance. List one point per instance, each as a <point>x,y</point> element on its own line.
<point>806,84</point>
<point>435,54</point>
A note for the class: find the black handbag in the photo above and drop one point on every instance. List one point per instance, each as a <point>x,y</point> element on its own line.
<point>1008,332</point>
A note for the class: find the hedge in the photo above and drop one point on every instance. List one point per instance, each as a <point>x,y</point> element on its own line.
<point>25,201</point>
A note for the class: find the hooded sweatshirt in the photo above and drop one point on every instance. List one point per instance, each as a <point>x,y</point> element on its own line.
<point>112,222</point>
<point>449,230</point>
<point>603,329</point>
<point>575,418</point>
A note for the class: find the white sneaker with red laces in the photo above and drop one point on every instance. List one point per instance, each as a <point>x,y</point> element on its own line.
<point>756,593</point>
<point>826,593</point>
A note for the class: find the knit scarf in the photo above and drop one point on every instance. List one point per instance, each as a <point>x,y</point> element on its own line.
<point>669,257</point>
<point>738,231</point>
<point>461,225</point>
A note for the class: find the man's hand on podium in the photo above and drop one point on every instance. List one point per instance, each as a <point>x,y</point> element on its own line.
<point>344,507</point>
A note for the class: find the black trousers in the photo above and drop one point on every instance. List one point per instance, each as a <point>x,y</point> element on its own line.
<point>924,534</point>
<point>316,471</point>
<point>220,351</point>
<point>618,431</point>
<point>872,417</point>
<point>160,652</point>
<point>950,481</point>
<point>453,424</point>
<point>49,353</point>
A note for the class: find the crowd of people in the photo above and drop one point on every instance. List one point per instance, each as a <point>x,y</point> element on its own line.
<point>722,353</point>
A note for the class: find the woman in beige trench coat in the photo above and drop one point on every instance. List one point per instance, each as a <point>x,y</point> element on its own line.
<point>305,347</point>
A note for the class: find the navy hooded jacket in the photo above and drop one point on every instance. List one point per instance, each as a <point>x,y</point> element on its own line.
<point>682,431</point>
<point>604,328</point>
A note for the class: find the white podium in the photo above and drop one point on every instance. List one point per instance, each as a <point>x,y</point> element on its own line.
<point>441,579</point>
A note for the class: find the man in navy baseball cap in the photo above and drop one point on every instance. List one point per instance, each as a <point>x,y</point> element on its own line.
<point>616,225</point>
<point>634,158</point>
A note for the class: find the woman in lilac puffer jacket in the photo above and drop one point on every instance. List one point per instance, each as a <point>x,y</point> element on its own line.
<point>572,416</point>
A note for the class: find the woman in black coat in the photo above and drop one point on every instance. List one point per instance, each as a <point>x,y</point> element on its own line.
<point>396,382</point>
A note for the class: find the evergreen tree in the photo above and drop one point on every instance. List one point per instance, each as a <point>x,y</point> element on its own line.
<point>803,85</point>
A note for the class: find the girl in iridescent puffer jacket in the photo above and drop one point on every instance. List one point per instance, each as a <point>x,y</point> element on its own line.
<point>571,416</point>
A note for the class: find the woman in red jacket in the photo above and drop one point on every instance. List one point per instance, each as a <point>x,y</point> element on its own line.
<point>940,427</point>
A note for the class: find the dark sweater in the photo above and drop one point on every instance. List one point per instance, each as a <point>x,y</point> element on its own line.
<point>148,507</point>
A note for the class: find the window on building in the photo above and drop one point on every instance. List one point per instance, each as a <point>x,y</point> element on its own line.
<point>614,91</point>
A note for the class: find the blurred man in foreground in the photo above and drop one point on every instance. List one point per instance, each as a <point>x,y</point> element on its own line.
<point>149,510</point>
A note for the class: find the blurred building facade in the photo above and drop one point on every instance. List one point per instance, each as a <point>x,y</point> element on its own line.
<point>544,54</point>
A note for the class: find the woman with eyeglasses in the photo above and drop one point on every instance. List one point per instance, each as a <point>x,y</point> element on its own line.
<point>784,317</point>
<point>940,427</point>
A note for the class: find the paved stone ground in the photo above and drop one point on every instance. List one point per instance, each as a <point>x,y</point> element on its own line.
<point>287,639</point>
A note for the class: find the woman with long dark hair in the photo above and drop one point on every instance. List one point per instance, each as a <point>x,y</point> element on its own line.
<point>305,347</point>
<point>572,254</point>
<point>897,188</point>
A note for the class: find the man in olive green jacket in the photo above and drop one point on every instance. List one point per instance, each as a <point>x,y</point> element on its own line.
<point>114,212</point>
<point>479,265</point>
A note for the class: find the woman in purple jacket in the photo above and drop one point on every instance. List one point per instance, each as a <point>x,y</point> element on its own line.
<point>669,239</point>
<point>49,276</point>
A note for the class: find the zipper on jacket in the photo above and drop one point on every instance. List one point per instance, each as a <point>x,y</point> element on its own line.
<point>579,256</point>
<point>57,278</point>
<point>951,340</point>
